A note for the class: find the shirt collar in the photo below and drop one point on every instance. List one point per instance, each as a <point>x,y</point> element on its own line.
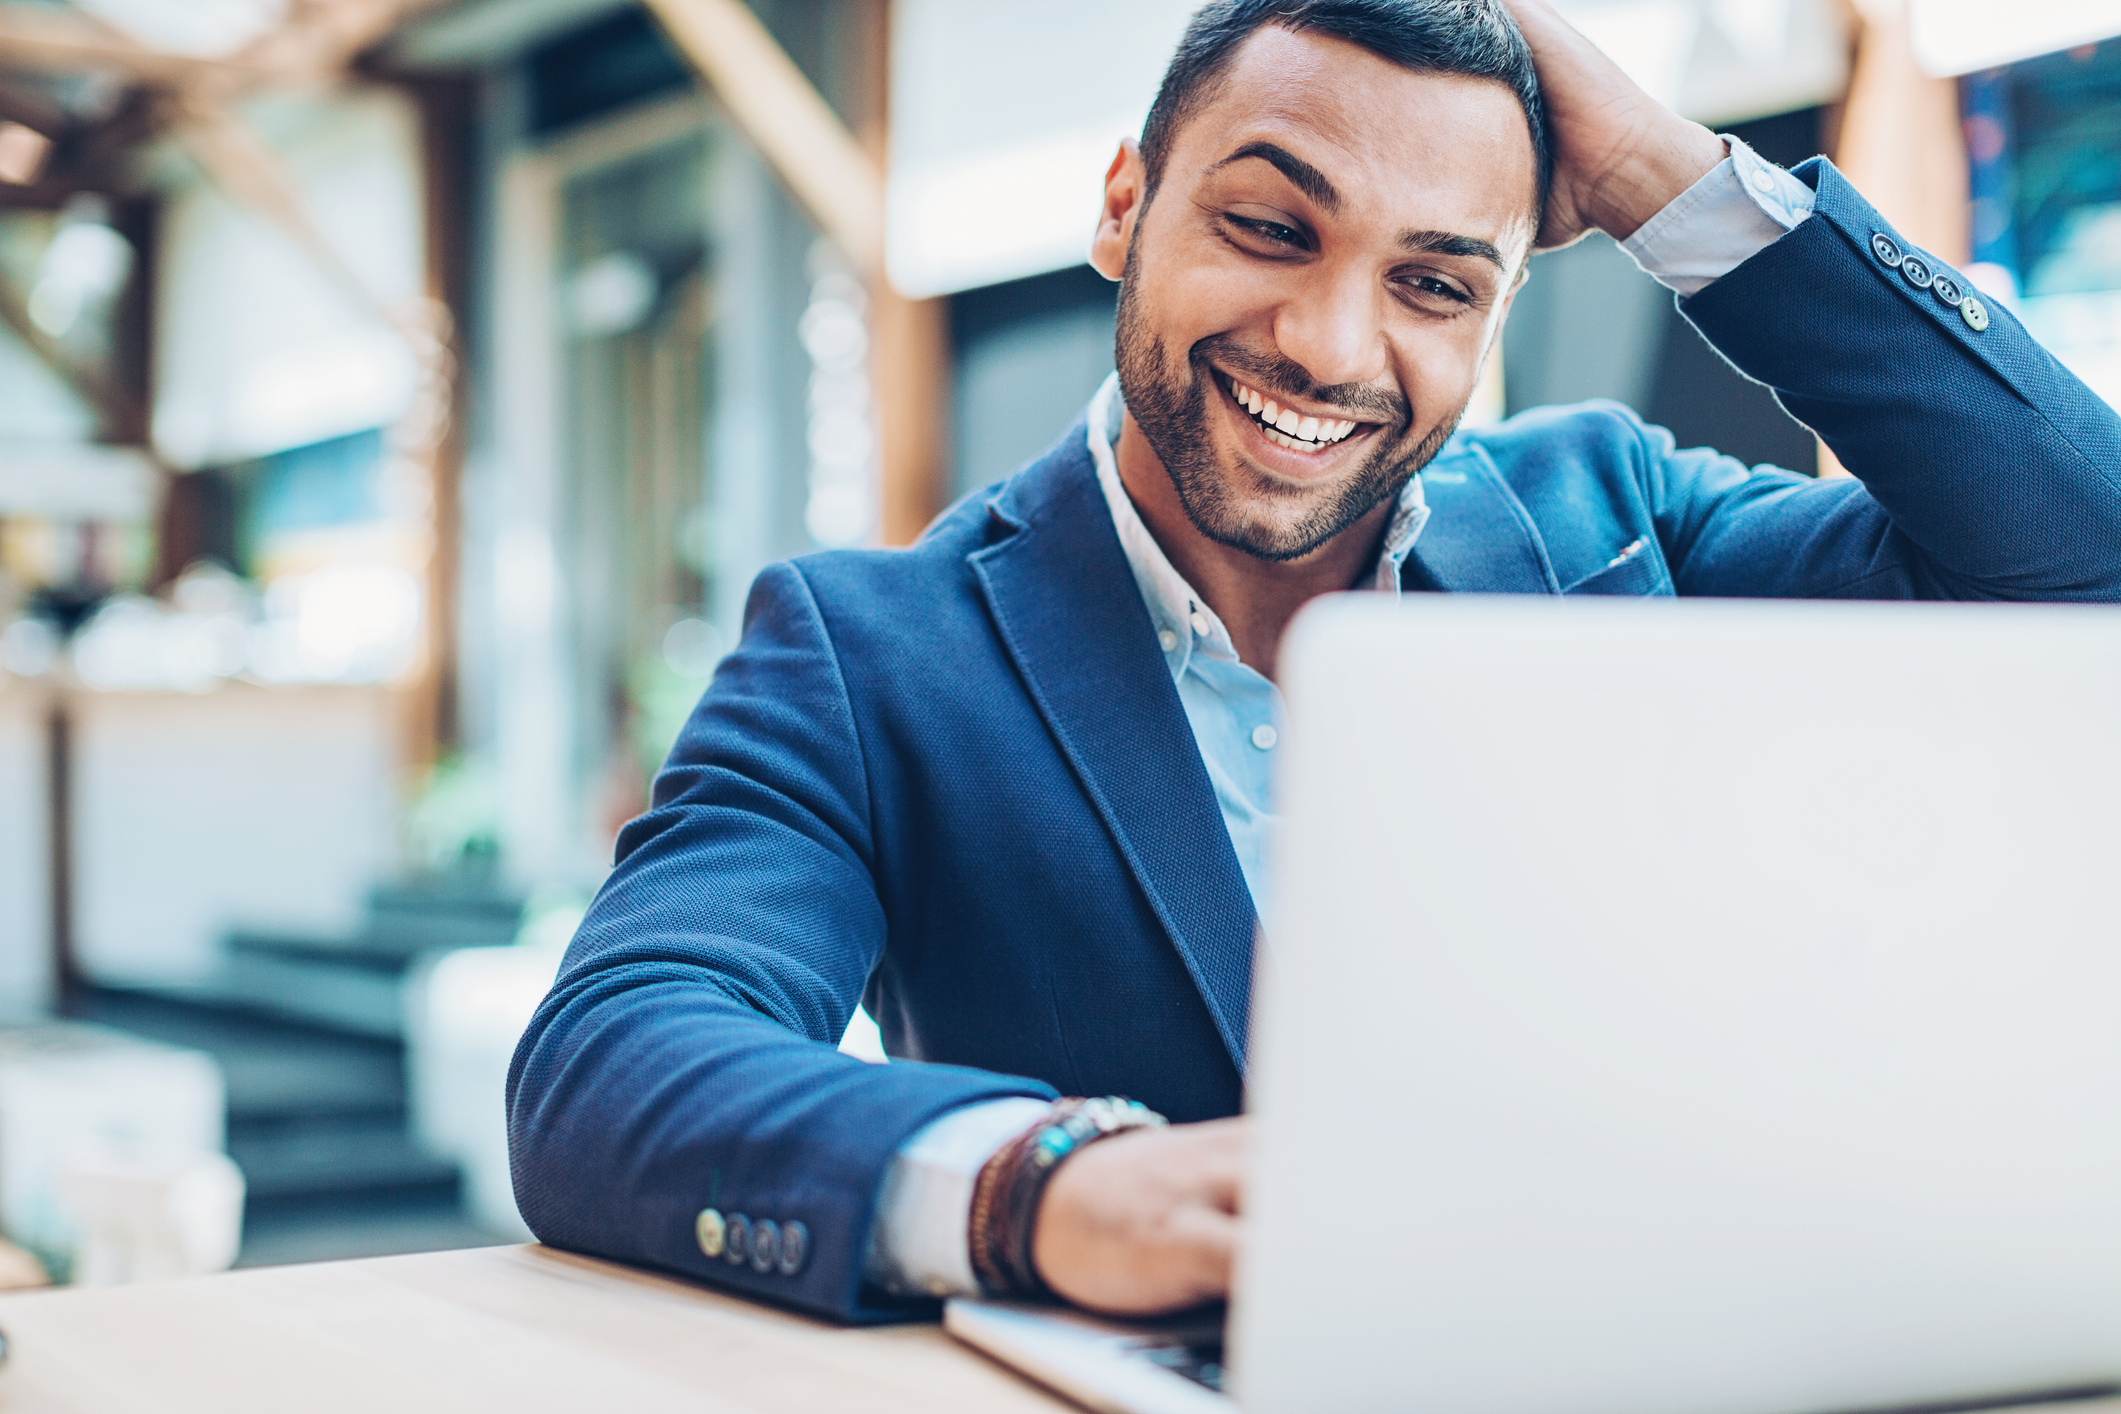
<point>1182,617</point>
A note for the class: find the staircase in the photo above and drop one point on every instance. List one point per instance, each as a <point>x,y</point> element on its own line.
<point>309,1034</point>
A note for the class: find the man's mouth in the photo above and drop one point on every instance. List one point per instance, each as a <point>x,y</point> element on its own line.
<point>1286,427</point>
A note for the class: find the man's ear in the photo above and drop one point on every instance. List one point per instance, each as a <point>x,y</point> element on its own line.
<point>1125,183</point>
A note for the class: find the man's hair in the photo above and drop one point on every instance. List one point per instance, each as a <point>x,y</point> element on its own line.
<point>1475,38</point>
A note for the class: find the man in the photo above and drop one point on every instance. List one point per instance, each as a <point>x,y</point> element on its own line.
<point>1010,784</point>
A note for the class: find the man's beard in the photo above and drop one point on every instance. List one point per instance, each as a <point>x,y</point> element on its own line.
<point>1173,414</point>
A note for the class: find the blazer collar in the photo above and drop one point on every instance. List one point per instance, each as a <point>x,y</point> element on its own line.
<point>1479,538</point>
<point>1072,617</point>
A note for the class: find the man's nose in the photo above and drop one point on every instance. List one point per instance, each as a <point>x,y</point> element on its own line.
<point>1334,327</point>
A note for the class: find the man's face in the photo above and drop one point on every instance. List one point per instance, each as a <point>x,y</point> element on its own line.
<point>1335,238</point>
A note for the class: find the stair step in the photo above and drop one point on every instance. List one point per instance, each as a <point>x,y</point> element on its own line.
<point>273,1068</point>
<point>334,1155</point>
<point>355,1000</point>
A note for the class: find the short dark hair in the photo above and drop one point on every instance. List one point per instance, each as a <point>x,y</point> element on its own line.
<point>1475,38</point>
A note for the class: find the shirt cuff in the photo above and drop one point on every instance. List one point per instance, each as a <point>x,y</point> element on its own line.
<point>1745,204</point>
<point>919,1245</point>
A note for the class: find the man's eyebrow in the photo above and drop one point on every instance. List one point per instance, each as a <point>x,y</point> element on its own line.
<point>1301,174</point>
<point>1444,243</point>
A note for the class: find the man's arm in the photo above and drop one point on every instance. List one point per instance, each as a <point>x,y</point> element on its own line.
<point>686,1058</point>
<point>1987,470</point>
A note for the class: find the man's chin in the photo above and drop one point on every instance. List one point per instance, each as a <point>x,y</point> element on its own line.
<point>1276,524</point>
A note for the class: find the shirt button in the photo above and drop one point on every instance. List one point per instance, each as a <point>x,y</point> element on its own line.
<point>1264,737</point>
<point>1167,640</point>
<point>1200,624</point>
<point>1763,182</point>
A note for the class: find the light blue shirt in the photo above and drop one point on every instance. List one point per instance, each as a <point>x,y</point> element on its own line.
<point>1235,713</point>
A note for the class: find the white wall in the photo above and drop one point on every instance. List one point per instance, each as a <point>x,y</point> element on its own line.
<point>257,350</point>
<point>1004,114</point>
<point>25,924</point>
<point>260,807</point>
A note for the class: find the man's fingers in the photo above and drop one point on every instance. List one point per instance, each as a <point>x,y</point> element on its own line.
<point>1208,1239</point>
<point>1222,1182</point>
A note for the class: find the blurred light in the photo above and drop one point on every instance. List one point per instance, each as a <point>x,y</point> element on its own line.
<point>28,647</point>
<point>612,294</point>
<point>691,648</point>
<point>1953,37</point>
<point>131,645</point>
<point>1995,281</point>
<point>1651,40</point>
<point>327,389</point>
<point>83,268</point>
<point>526,579</point>
<point>200,27</point>
<point>351,623</point>
<point>841,430</point>
<point>22,153</point>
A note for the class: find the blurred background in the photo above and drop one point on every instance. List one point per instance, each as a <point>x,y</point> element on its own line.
<point>397,399</point>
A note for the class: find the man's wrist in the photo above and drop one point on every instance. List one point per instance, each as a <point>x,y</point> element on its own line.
<point>1011,1185</point>
<point>1658,170</point>
<point>917,1244</point>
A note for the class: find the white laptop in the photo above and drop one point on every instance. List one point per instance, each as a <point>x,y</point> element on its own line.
<point>1673,1008</point>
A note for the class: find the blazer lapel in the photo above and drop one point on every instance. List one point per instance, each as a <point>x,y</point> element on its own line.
<point>1068,608</point>
<point>1479,538</point>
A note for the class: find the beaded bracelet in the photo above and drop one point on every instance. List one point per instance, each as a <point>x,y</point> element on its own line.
<point>1006,1197</point>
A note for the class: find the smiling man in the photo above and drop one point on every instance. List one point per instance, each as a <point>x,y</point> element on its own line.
<point>1011,785</point>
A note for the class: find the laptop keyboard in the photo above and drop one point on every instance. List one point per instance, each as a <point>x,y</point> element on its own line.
<point>1199,1361</point>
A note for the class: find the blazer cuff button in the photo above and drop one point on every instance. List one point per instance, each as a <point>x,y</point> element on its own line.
<point>765,1245</point>
<point>795,1247</point>
<point>710,1230</point>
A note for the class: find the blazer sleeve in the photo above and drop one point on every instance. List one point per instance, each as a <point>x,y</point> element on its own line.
<point>686,1056</point>
<point>1985,470</point>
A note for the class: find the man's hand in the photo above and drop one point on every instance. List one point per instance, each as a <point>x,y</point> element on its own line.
<point>1145,1222</point>
<point>1620,156</point>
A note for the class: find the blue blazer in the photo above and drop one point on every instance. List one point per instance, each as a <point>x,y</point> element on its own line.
<point>956,780</point>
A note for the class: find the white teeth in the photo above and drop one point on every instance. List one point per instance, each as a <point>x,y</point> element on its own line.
<point>1286,427</point>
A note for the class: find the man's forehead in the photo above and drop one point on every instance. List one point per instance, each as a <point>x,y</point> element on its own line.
<point>1369,125</point>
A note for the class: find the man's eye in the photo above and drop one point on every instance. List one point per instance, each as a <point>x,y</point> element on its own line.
<point>1430,285</point>
<point>1268,230</point>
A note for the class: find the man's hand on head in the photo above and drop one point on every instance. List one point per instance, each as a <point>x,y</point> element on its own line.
<point>1620,156</point>
<point>1145,1222</point>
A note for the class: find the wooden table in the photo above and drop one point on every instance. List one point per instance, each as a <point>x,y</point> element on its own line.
<point>519,1329</point>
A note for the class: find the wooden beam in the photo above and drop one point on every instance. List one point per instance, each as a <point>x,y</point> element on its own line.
<point>41,39</point>
<point>113,414</point>
<point>786,118</point>
<point>910,363</point>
